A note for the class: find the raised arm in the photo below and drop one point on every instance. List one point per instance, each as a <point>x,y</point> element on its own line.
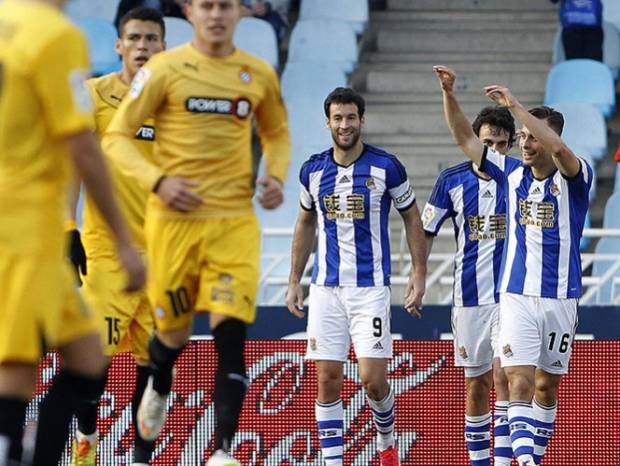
<point>460,127</point>
<point>303,243</point>
<point>416,242</point>
<point>563,158</point>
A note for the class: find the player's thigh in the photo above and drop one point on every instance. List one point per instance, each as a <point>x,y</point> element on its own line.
<point>327,329</point>
<point>519,330</point>
<point>31,296</point>
<point>230,270</point>
<point>173,255</point>
<point>472,329</point>
<point>369,314</point>
<point>559,327</point>
<point>115,310</point>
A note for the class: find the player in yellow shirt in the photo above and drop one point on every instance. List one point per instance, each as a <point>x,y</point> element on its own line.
<point>45,128</point>
<point>125,320</point>
<point>201,232</point>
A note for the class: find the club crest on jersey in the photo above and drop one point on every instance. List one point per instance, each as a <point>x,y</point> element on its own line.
<point>554,189</point>
<point>312,342</point>
<point>507,351</point>
<point>463,352</point>
<point>240,107</point>
<point>244,75</point>
<point>370,183</point>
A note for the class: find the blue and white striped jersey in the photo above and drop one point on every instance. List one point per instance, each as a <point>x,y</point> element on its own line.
<point>478,212</point>
<point>545,221</point>
<point>353,205</point>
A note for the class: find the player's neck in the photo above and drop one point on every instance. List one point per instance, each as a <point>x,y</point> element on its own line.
<point>346,157</point>
<point>213,50</point>
<point>543,171</point>
<point>126,75</point>
<point>480,173</point>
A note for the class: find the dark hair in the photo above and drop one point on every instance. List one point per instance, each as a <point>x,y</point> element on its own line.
<point>345,95</point>
<point>554,119</point>
<point>143,14</point>
<point>499,117</point>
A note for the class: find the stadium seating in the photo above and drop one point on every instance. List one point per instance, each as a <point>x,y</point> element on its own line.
<point>611,48</point>
<point>352,11</point>
<point>101,36</point>
<point>102,9</point>
<point>582,81</point>
<point>617,179</point>
<point>606,293</point>
<point>324,40</point>
<point>312,81</point>
<point>611,12</point>
<point>178,31</point>
<point>611,217</point>
<point>584,128</point>
<point>259,38</point>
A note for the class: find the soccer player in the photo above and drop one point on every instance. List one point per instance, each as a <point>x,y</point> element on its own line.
<point>125,320</point>
<point>202,235</point>
<point>45,128</point>
<point>540,276</point>
<point>476,205</point>
<point>347,192</point>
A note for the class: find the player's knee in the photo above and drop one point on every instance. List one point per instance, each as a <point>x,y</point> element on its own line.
<point>478,388</point>
<point>375,384</point>
<point>520,385</point>
<point>329,383</point>
<point>547,389</point>
<point>229,338</point>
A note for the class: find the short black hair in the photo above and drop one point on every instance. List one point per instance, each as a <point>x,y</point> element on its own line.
<point>143,14</point>
<point>499,117</point>
<point>345,95</point>
<point>554,119</point>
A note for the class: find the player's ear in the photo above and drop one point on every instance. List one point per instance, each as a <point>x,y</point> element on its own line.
<point>362,121</point>
<point>117,46</point>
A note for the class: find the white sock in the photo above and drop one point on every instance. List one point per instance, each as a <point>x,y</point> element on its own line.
<point>383,415</point>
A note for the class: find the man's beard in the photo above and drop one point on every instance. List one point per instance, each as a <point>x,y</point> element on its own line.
<point>354,138</point>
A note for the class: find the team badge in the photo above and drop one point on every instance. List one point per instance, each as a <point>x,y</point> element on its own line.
<point>312,342</point>
<point>463,352</point>
<point>429,213</point>
<point>160,312</point>
<point>508,351</point>
<point>370,183</point>
<point>245,75</point>
<point>554,189</point>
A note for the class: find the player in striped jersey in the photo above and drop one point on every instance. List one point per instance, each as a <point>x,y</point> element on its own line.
<point>476,205</point>
<point>540,276</point>
<point>347,191</point>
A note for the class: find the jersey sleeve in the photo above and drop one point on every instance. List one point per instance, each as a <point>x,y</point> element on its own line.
<point>398,186</point>
<point>581,183</point>
<point>60,74</point>
<point>272,124</point>
<point>498,166</point>
<point>305,198</point>
<point>438,208</point>
<point>146,94</point>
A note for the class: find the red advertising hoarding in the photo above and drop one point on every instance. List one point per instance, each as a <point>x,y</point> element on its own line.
<point>277,425</point>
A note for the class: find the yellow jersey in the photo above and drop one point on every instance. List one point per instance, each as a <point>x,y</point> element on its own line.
<point>203,108</point>
<point>108,92</point>
<point>43,99</point>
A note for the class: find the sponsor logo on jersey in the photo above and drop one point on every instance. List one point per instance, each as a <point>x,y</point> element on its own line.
<point>240,107</point>
<point>487,195</point>
<point>145,133</point>
<point>378,346</point>
<point>139,81</point>
<point>344,179</point>
<point>558,364</point>
<point>537,190</point>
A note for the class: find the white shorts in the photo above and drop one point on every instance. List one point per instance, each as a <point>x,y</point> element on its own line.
<point>338,316</point>
<point>475,330</point>
<point>537,332</point>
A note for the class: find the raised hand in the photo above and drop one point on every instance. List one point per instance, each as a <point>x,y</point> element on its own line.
<point>501,95</point>
<point>446,77</point>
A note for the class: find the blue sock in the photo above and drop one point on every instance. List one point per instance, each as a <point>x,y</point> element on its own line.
<point>329,422</point>
<point>502,450</point>
<point>545,424</point>
<point>521,420</point>
<point>478,438</point>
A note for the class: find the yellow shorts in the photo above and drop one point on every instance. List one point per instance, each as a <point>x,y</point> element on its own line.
<point>202,265</point>
<point>125,320</point>
<point>40,307</point>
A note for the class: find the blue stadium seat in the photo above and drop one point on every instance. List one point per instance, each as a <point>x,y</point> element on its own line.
<point>307,123</point>
<point>606,294</point>
<point>611,12</point>
<point>101,36</point>
<point>582,81</point>
<point>259,38</point>
<point>312,81</point>
<point>617,179</point>
<point>584,127</point>
<point>102,9</point>
<point>352,11</point>
<point>611,48</point>
<point>178,31</point>
<point>611,218</point>
<point>324,40</point>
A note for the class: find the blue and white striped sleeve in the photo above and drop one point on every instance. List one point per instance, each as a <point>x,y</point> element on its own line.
<point>581,183</point>
<point>398,186</point>
<point>305,198</point>
<point>496,165</point>
<point>438,208</point>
